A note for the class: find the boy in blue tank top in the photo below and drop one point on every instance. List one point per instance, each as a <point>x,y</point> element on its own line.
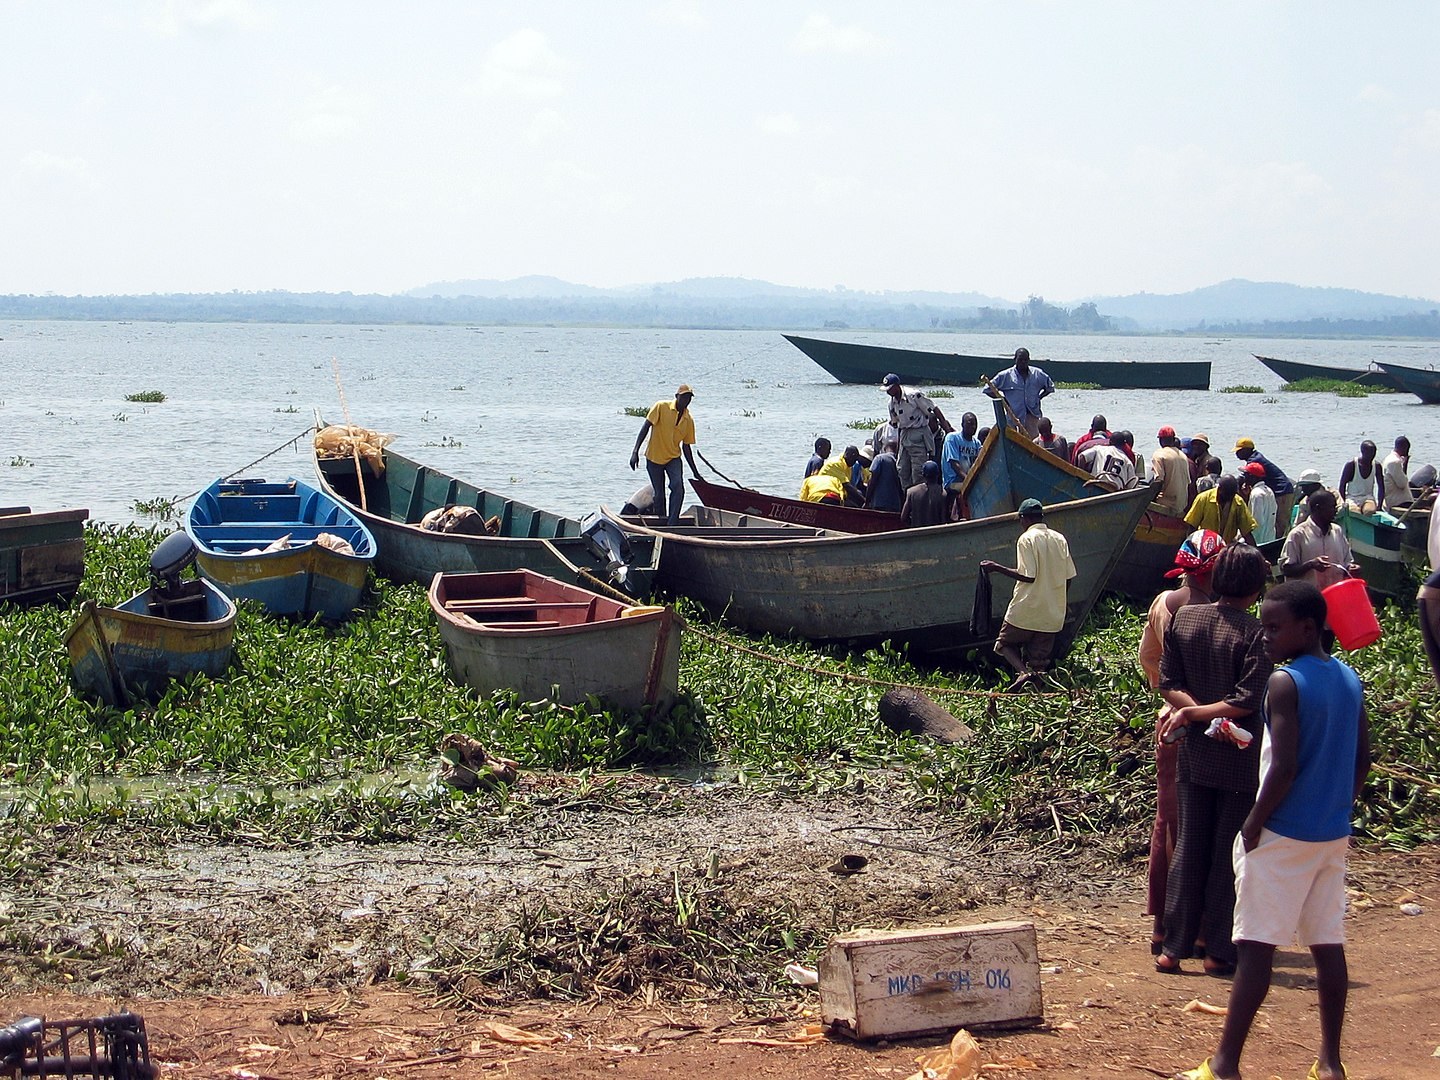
<point>1290,854</point>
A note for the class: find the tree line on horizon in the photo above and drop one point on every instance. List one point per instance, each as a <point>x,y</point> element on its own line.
<point>665,310</point>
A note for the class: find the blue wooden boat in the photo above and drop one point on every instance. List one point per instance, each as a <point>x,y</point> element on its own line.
<point>1423,383</point>
<point>398,499</point>
<point>168,631</point>
<point>853,362</point>
<point>42,555</point>
<point>911,586</point>
<point>235,523</point>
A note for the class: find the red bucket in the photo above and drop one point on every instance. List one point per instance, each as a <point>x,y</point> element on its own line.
<point>1352,616</point>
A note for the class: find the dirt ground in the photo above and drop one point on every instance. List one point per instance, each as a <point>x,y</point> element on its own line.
<point>250,963</point>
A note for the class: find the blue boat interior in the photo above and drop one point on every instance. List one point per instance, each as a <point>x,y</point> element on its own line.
<point>237,516</point>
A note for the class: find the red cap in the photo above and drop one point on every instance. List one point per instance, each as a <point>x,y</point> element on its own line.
<point>1255,469</point>
<point>1166,432</point>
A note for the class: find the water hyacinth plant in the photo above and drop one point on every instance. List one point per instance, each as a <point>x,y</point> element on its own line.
<point>321,732</point>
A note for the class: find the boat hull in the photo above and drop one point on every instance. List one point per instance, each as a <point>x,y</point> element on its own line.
<point>530,538</point>
<point>912,586</point>
<point>42,555</point>
<point>1423,384</point>
<point>228,521</point>
<point>122,654</point>
<point>1293,371</point>
<point>850,362</point>
<point>624,656</point>
<point>1377,543</point>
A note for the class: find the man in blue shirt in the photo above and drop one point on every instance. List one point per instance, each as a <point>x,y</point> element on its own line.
<point>1023,387</point>
<point>957,454</point>
<point>1280,484</point>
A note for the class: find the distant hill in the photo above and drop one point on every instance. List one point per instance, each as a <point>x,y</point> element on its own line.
<point>1255,302</point>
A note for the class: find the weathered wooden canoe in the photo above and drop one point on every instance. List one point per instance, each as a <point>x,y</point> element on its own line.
<point>914,586</point>
<point>1294,371</point>
<point>850,362</point>
<point>543,638</point>
<point>42,555</point>
<point>1423,383</point>
<point>130,652</point>
<point>528,538</point>
<point>1376,541</point>
<point>232,522</point>
<point>826,516</point>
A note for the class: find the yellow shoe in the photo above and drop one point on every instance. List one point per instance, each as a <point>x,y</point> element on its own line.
<point>1314,1073</point>
<point>1204,1072</point>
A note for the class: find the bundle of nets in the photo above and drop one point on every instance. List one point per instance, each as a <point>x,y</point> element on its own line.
<point>348,440</point>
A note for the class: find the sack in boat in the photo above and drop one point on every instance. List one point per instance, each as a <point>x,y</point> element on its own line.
<point>461,520</point>
<point>337,544</point>
<point>349,440</point>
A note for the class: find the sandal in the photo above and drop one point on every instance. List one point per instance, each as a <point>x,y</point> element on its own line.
<point>1166,964</point>
<point>1314,1073</point>
<point>1218,969</point>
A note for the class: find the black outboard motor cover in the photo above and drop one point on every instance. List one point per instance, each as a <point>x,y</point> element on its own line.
<point>609,542</point>
<point>171,557</point>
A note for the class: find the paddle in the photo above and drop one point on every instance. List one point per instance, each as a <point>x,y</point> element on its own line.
<point>720,474</point>
<point>1001,398</point>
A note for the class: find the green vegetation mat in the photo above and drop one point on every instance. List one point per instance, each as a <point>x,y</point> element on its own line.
<point>1339,387</point>
<point>321,733</point>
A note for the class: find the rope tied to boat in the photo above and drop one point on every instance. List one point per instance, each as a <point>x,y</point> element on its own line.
<point>249,465</point>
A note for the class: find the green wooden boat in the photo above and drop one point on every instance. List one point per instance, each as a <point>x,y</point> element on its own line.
<point>1423,383</point>
<point>1294,371</point>
<point>42,555</point>
<point>528,538</point>
<point>1377,542</point>
<point>912,586</point>
<point>851,362</point>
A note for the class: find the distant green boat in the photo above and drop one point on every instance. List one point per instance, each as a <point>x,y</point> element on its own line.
<point>851,362</point>
<point>1295,371</point>
<point>1424,383</point>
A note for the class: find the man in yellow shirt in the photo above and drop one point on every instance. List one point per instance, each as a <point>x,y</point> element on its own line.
<point>1222,510</point>
<point>822,487</point>
<point>671,428</point>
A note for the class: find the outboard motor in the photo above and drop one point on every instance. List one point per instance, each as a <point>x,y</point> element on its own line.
<point>609,542</point>
<point>170,597</point>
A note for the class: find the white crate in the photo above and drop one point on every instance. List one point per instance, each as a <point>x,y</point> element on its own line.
<point>881,983</point>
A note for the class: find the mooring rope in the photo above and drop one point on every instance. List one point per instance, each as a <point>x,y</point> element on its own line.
<point>263,457</point>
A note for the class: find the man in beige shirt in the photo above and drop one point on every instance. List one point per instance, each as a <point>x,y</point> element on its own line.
<point>1171,467</point>
<point>1037,608</point>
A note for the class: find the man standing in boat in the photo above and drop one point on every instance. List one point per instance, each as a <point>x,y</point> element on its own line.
<point>913,414</point>
<point>671,428</point>
<point>1023,388</point>
<point>1275,478</point>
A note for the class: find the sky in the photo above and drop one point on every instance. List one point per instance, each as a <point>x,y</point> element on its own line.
<point>1064,149</point>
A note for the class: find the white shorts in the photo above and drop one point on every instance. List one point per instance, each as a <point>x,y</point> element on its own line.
<point>1290,890</point>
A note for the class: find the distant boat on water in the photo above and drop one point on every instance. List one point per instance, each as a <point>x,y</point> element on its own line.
<point>1295,371</point>
<point>851,362</point>
<point>1422,382</point>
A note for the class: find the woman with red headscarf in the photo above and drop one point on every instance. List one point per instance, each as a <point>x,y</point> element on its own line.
<point>1195,561</point>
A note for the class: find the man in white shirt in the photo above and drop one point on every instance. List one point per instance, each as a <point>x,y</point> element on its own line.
<point>1316,550</point>
<point>1037,608</point>
<point>1111,465</point>
<point>1394,476</point>
<point>1263,504</point>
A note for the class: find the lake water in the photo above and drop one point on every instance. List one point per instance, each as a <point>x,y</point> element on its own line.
<point>539,412</point>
